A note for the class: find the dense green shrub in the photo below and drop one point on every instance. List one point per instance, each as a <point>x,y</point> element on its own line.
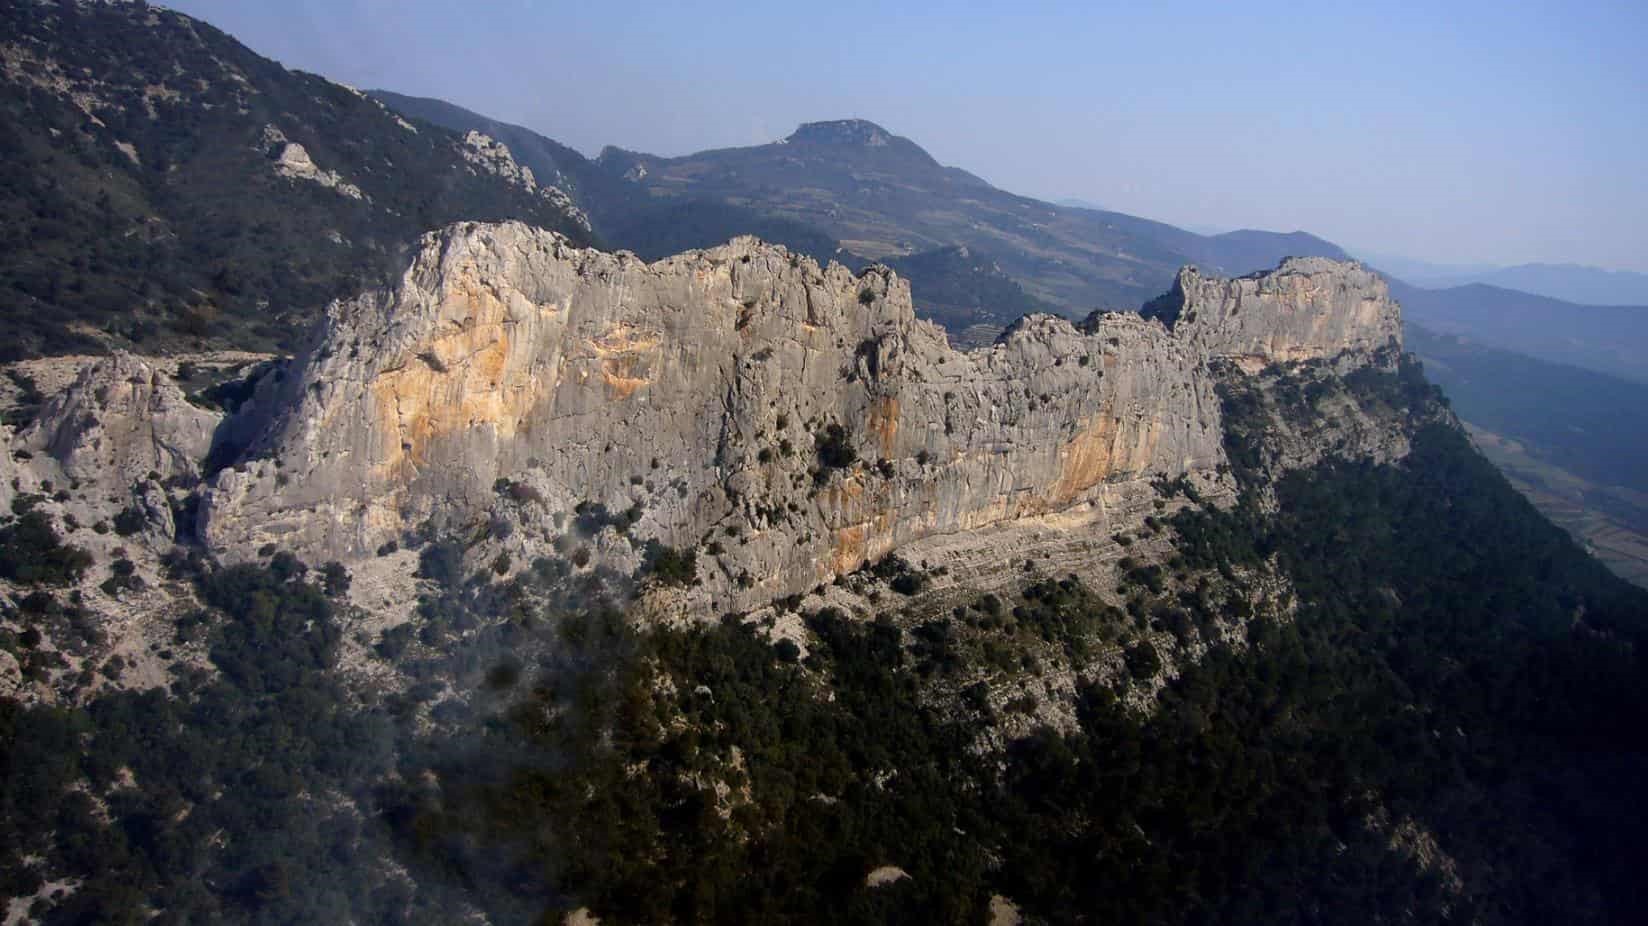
<point>32,554</point>
<point>835,448</point>
<point>671,566</point>
<point>231,773</point>
<point>1142,660</point>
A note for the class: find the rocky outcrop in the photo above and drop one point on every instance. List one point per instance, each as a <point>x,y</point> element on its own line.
<point>121,435</point>
<point>841,132</point>
<point>789,421</point>
<point>293,162</point>
<point>1309,308</point>
<point>488,155</point>
<point>122,420</point>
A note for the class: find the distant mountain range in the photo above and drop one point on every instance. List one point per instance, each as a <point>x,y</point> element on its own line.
<point>1567,282</point>
<point>882,196</point>
<point>1607,339</point>
<point>855,191</point>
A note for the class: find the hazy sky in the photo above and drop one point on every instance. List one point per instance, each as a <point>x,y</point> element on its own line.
<point>1450,131</point>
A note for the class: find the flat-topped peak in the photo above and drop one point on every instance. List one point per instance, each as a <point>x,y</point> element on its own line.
<point>1306,308</point>
<point>1311,266</point>
<point>842,132</point>
<point>1315,265</point>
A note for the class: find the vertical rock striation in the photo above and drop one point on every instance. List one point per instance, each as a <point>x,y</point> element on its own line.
<point>1306,309</point>
<point>122,420</point>
<point>789,422</point>
<point>801,414</point>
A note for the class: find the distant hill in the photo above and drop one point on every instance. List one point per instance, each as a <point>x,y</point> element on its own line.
<point>1568,282</point>
<point>1607,339</point>
<point>882,196</point>
<point>850,190</point>
<point>164,187</point>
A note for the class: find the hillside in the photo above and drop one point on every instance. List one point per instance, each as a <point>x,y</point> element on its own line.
<point>1606,339</point>
<point>164,187</point>
<point>879,196</point>
<point>1573,441</point>
<point>1554,392</point>
<point>772,606</point>
<point>602,196</point>
<point>882,196</point>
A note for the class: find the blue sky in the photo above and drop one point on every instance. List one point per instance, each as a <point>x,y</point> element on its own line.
<point>1456,132</point>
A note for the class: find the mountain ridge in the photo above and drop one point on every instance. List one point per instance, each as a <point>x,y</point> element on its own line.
<point>447,404</point>
<point>1569,282</point>
<point>162,183</point>
<point>1606,339</point>
<point>870,198</point>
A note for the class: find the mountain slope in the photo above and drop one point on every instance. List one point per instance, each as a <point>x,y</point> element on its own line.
<point>769,606</point>
<point>1582,419</point>
<point>882,196</point>
<point>1567,282</point>
<point>163,185</point>
<point>595,190</point>
<point>1572,440</point>
<point>1607,339</point>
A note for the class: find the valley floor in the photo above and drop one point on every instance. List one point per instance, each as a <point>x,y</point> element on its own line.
<point>1572,503</point>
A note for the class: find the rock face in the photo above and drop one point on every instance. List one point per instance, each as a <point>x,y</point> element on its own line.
<point>112,440</point>
<point>1308,308</point>
<point>292,160</point>
<point>121,420</point>
<point>790,423</point>
<point>485,153</point>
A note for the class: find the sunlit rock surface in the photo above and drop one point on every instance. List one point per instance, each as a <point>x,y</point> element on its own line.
<point>789,422</point>
<point>1308,308</point>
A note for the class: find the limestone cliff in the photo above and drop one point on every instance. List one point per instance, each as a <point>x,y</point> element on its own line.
<point>118,433</point>
<point>789,422</point>
<point>1308,308</point>
<point>693,393</point>
<point>122,419</point>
